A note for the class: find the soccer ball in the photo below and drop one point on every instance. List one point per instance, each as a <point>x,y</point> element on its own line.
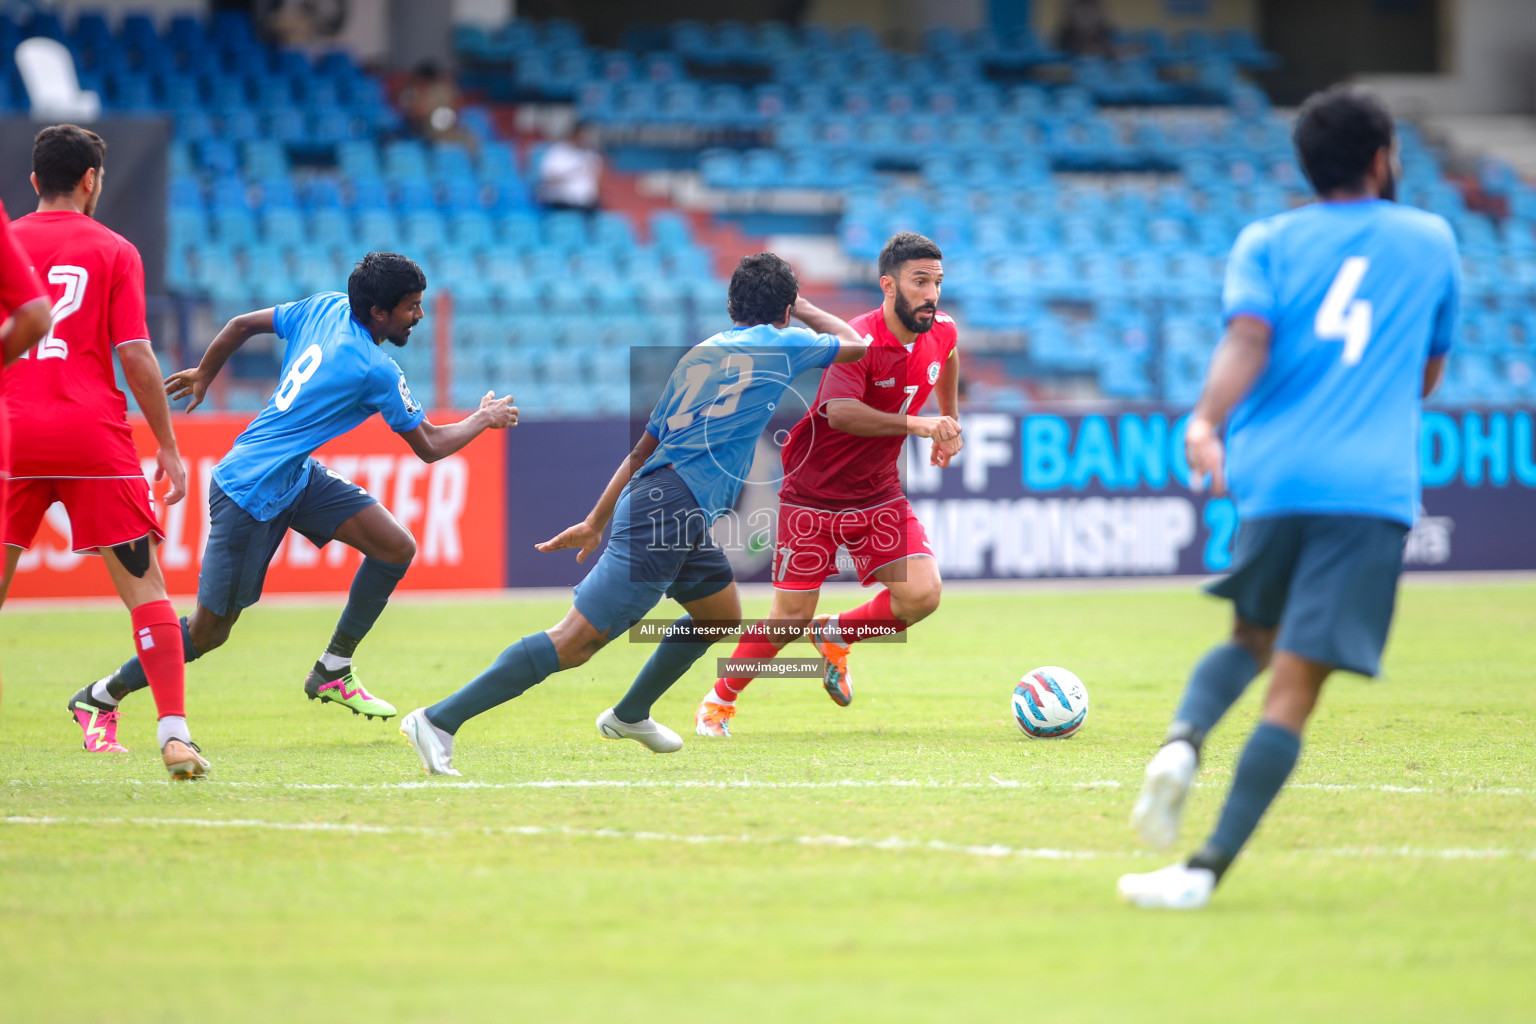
<point>1050,703</point>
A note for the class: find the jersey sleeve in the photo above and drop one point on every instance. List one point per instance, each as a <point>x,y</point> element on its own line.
<point>813,351</point>
<point>288,318</point>
<point>1448,312</point>
<point>1249,289</point>
<point>18,284</point>
<point>843,381</point>
<point>125,317</point>
<point>390,396</point>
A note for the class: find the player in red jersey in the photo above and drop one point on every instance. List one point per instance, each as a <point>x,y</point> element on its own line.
<point>23,321</point>
<point>68,420</point>
<point>842,485</point>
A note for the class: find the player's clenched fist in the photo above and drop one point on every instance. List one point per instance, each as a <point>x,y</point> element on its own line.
<point>499,411</point>
<point>1205,453</point>
<point>583,536</point>
<point>939,428</point>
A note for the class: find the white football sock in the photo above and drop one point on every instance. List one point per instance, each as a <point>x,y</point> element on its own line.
<point>172,727</point>
<point>834,629</point>
<point>334,662</point>
<point>712,696</point>
<point>100,695</point>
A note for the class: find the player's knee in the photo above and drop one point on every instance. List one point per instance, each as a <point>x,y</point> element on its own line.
<point>208,634</point>
<point>402,549</point>
<point>574,654</point>
<point>917,605</point>
<point>1258,641</point>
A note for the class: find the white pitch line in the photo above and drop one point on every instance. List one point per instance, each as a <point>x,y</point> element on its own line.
<point>727,784</point>
<point>995,783</point>
<point>890,843</point>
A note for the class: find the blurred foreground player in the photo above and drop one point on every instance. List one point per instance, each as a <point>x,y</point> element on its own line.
<point>842,482</point>
<point>335,375</point>
<point>69,424</point>
<point>1339,317</point>
<point>684,473</point>
<point>24,319</point>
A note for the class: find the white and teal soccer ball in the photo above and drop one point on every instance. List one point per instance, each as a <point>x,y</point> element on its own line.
<point>1050,703</point>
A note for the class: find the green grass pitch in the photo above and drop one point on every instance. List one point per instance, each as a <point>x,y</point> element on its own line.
<point>911,858</point>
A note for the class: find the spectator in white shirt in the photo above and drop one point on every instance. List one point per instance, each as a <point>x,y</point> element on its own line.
<point>571,171</point>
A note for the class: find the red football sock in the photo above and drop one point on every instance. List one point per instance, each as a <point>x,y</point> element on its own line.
<point>754,644</point>
<point>872,618</point>
<point>157,635</point>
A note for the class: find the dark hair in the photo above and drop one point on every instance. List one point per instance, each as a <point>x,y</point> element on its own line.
<point>904,246</point>
<point>762,288</point>
<point>1338,133</point>
<point>61,154</point>
<point>382,279</point>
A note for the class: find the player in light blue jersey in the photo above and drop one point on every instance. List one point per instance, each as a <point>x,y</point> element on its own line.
<point>685,472</point>
<point>1339,317</point>
<point>335,375</point>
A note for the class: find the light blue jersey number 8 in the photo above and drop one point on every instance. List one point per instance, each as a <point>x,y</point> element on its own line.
<point>303,368</point>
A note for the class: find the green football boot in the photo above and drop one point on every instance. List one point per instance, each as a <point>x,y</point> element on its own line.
<point>342,687</point>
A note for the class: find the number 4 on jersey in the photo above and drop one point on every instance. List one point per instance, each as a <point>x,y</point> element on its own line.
<point>1344,317</point>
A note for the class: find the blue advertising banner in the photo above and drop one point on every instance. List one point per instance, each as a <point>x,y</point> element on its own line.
<point>1052,495</point>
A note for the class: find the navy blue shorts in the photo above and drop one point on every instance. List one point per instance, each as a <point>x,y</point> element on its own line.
<point>240,546</point>
<point>661,547</point>
<point>1328,583</point>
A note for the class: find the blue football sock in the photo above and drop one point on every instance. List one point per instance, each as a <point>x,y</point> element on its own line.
<point>676,653</point>
<point>131,676</point>
<point>1262,769</point>
<point>524,664</point>
<point>371,586</point>
<point>1214,686</point>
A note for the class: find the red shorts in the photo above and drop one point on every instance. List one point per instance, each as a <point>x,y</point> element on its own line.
<point>805,552</point>
<point>103,511</point>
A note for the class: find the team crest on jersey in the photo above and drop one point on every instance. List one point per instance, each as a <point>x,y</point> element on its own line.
<point>933,373</point>
<point>413,407</point>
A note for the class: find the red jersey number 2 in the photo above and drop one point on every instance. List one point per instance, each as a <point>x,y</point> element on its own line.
<point>74,280</point>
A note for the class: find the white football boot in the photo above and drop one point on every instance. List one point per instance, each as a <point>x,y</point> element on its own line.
<point>436,756</point>
<point>1160,808</point>
<point>648,732</point>
<point>1176,887</point>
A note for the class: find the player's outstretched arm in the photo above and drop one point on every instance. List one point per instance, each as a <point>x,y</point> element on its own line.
<point>852,347</point>
<point>587,534</point>
<point>142,372</point>
<point>24,328</point>
<point>431,442</point>
<point>237,332</point>
<point>1239,359</point>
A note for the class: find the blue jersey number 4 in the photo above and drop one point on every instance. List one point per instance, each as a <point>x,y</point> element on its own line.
<point>1342,317</point>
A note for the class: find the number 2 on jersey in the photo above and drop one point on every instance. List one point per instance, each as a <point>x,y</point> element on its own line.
<point>729,394</point>
<point>1342,316</point>
<point>74,280</point>
<point>304,368</point>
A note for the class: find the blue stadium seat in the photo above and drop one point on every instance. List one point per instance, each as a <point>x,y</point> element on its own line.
<point>330,226</point>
